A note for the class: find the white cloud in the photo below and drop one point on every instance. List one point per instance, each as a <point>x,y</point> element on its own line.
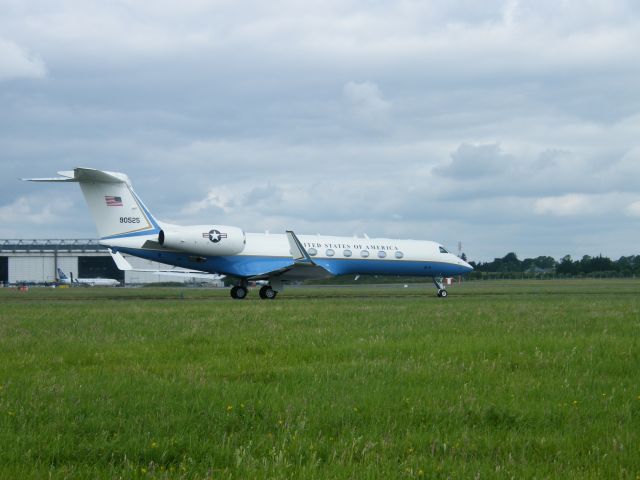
<point>37,211</point>
<point>218,199</point>
<point>633,209</point>
<point>562,206</point>
<point>17,62</point>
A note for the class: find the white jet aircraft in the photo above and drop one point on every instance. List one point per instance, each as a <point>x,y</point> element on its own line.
<point>126,225</point>
<point>91,282</point>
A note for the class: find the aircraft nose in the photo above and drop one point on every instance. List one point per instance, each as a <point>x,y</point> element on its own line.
<point>467,268</point>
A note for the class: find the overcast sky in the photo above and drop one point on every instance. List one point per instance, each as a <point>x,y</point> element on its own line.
<point>508,125</point>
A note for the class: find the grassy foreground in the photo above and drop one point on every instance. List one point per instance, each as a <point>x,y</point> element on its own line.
<point>500,380</point>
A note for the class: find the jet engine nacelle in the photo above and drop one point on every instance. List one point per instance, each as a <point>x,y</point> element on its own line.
<point>204,239</point>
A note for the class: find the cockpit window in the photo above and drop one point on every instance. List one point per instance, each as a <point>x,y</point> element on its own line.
<point>443,250</point>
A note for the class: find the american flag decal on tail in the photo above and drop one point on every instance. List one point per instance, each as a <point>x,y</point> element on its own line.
<point>113,201</point>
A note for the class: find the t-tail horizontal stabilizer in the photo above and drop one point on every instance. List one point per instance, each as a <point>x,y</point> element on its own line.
<point>116,209</point>
<point>85,175</point>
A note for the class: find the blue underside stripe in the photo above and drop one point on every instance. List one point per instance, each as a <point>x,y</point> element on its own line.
<point>132,234</point>
<point>246,266</point>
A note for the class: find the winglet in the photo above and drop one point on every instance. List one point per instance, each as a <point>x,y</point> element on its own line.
<point>298,252</point>
<point>120,261</point>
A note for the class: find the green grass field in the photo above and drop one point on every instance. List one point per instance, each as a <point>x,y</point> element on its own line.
<point>500,380</point>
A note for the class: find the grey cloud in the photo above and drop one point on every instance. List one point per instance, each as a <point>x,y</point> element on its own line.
<point>469,162</point>
<point>266,196</point>
<point>16,62</point>
<point>551,158</point>
<point>365,100</point>
<point>405,119</point>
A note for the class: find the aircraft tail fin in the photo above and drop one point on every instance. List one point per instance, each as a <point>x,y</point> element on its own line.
<point>61,275</point>
<point>117,211</point>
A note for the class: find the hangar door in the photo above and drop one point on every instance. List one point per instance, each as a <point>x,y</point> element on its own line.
<point>4,269</point>
<point>99,267</point>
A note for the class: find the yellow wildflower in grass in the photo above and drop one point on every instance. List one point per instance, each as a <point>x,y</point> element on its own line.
<point>420,472</point>
<point>154,445</point>
<point>575,402</point>
<point>229,408</point>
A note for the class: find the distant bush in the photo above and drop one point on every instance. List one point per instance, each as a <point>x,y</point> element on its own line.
<point>542,267</point>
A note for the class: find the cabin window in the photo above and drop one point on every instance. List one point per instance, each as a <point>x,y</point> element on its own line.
<point>382,254</point>
<point>399,254</point>
<point>312,251</point>
<point>330,252</point>
<point>443,250</point>
<point>364,253</point>
<point>347,253</point>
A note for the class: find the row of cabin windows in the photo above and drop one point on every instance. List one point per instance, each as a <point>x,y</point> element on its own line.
<point>347,253</point>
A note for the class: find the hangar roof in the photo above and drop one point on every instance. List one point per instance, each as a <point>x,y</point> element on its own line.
<point>51,245</point>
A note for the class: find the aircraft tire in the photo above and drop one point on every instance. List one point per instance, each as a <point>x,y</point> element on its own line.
<point>442,293</point>
<point>267,293</point>
<point>239,293</point>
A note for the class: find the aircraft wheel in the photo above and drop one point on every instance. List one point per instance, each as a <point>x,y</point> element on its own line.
<point>267,293</point>
<point>238,292</point>
<point>442,293</point>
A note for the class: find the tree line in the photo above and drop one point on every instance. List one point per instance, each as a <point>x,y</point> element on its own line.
<point>566,266</point>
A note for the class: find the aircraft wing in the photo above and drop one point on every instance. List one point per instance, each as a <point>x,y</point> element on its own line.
<point>303,268</point>
<point>124,265</point>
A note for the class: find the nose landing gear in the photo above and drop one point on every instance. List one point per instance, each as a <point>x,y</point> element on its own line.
<point>442,292</point>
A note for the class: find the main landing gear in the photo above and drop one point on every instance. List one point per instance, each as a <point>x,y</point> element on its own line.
<point>240,292</point>
<point>267,293</point>
<point>442,292</point>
